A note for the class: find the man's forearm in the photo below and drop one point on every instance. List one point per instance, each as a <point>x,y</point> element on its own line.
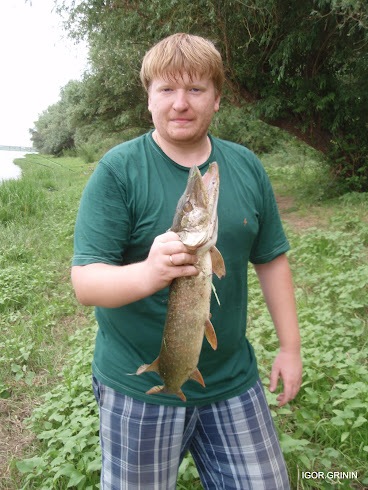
<point>277,286</point>
<point>109,286</point>
<point>112,286</point>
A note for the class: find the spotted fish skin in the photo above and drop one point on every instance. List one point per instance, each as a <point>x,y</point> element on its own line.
<point>188,313</point>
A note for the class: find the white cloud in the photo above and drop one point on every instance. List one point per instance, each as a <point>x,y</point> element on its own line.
<point>36,60</point>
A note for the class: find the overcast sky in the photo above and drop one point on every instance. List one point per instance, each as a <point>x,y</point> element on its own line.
<point>36,60</point>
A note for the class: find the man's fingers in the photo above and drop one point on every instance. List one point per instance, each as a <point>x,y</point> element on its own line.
<point>175,252</point>
<point>274,378</point>
<point>173,246</point>
<point>289,393</point>
<point>283,398</point>
<point>169,236</point>
<point>185,270</point>
<point>177,259</point>
<point>289,390</point>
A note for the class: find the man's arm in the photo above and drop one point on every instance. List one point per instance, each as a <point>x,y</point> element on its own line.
<point>112,286</point>
<point>277,286</point>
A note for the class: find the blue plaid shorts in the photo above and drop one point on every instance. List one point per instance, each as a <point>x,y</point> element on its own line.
<point>233,443</point>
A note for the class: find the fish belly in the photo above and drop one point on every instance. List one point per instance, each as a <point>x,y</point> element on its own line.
<point>188,310</point>
<point>187,320</point>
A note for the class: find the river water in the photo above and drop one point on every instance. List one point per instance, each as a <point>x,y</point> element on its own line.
<point>8,170</point>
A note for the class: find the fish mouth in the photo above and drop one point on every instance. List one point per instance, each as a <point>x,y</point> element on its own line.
<point>195,219</point>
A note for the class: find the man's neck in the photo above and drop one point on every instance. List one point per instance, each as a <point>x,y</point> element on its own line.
<point>184,154</point>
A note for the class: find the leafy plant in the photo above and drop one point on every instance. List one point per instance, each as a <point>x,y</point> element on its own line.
<point>67,425</point>
<point>324,429</point>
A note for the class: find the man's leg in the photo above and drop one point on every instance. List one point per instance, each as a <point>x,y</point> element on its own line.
<point>236,445</point>
<point>140,442</point>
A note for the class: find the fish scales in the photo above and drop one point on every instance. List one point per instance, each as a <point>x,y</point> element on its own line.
<point>188,313</point>
<point>183,333</point>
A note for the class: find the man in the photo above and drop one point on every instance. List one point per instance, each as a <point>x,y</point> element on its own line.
<point>124,262</point>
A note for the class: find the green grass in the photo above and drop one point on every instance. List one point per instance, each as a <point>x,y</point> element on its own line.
<point>47,339</point>
<point>325,428</point>
<point>37,307</point>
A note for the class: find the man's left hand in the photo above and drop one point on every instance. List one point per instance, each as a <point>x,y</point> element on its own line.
<point>288,367</point>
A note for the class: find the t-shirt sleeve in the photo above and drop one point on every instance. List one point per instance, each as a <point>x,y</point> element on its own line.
<point>271,240</point>
<point>102,226</point>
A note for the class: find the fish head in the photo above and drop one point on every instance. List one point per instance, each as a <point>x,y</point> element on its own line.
<point>195,219</point>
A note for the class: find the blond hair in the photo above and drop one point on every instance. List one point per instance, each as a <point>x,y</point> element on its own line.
<point>183,53</point>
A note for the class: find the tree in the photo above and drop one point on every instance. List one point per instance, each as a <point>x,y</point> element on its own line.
<point>302,65</point>
<point>306,66</point>
<point>52,133</point>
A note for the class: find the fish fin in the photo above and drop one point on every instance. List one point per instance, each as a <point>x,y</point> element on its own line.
<point>210,334</point>
<point>181,395</point>
<point>196,376</point>
<point>145,368</point>
<point>156,390</point>
<point>218,264</point>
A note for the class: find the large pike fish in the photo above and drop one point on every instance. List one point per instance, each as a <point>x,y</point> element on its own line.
<point>188,313</point>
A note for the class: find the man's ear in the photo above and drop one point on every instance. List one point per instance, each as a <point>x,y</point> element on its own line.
<point>217,103</point>
<point>149,99</point>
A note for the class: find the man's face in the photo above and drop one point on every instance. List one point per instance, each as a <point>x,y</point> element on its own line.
<point>182,109</point>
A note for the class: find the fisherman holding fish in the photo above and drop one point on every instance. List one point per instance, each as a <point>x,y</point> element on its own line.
<point>173,370</point>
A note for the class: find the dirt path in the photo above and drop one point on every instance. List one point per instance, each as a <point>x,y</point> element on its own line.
<point>292,216</point>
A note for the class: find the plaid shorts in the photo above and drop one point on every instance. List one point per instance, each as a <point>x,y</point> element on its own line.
<point>233,443</point>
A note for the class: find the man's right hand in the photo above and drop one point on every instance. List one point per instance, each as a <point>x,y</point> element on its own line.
<point>169,258</point>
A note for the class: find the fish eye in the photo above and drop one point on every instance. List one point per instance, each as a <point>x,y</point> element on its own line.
<point>188,207</point>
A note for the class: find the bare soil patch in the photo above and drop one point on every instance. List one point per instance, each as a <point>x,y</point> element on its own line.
<point>292,216</point>
<point>13,436</point>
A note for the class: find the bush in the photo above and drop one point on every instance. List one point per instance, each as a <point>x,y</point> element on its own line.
<point>240,125</point>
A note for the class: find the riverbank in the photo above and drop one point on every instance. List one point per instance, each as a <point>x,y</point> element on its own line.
<point>47,338</point>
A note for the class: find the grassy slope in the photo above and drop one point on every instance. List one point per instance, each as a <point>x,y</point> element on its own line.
<point>324,429</point>
<point>37,308</point>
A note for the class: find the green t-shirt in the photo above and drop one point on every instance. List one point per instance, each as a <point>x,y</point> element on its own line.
<point>129,200</point>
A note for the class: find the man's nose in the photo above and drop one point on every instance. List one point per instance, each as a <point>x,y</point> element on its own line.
<point>181,100</point>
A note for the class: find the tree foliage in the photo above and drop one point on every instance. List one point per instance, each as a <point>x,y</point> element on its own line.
<point>54,130</point>
<point>302,65</point>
